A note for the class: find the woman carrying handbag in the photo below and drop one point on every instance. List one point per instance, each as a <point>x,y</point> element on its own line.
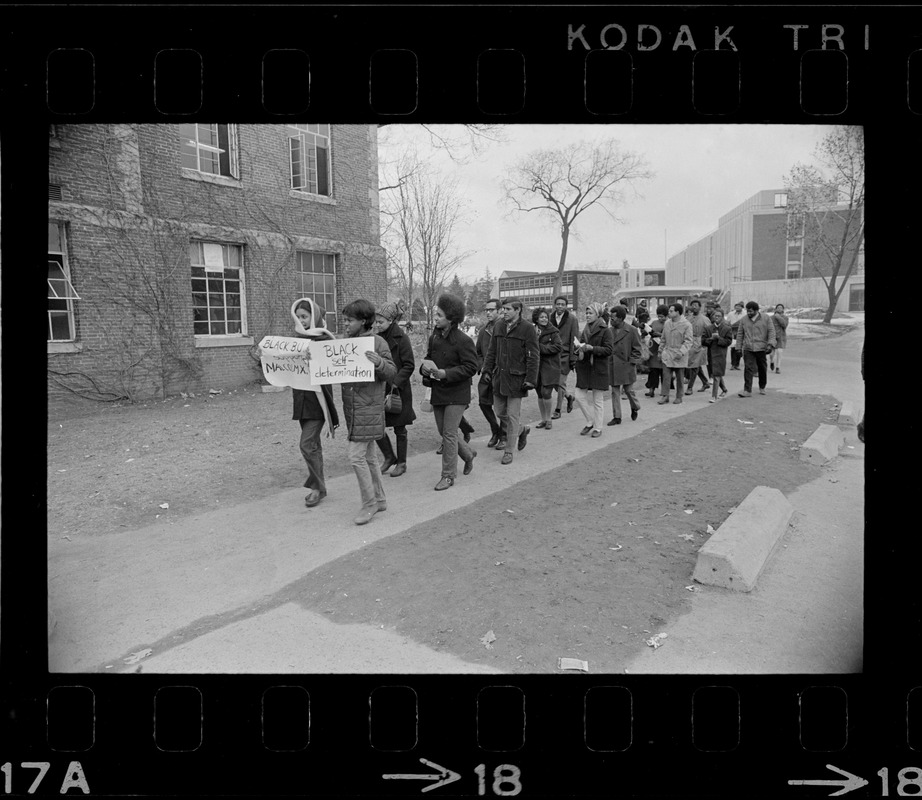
<point>398,404</point>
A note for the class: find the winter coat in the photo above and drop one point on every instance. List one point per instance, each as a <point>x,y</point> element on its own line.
<point>675,343</point>
<point>625,355</point>
<point>363,403</point>
<point>717,340</point>
<point>549,347</point>
<point>402,355</point>
<point>484,388</point>
<point>512,359</point>
<point>304,402</point>
<point>698,353</point>
<point>656,331</point>
<point>780,321</point>
<point>592,365</point>
<point>569,330</point>
<point>456,354</point>
<point>756,334</point>
<point>734,321</point>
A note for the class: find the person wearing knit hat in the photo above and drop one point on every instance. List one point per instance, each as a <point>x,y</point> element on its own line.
<point>386,327</point>
<point>313,408</point>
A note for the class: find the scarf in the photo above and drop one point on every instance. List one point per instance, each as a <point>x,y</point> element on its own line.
<point>317,331</point>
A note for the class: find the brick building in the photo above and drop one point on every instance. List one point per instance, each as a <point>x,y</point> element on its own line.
<point>173,249</point>
<point>753,243</point>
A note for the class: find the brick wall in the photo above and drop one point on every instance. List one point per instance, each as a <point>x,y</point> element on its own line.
<point>769,248</point>
<point>129,215</point>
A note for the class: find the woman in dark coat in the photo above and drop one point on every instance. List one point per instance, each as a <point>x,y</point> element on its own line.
<point>450,363</point>
<point>549,347</point>
<point>625,356</point>
<point>402,353</point>
<point>717,340</point>
<point>592,377</point>
<point>655,363</point>
<point>313,407</point>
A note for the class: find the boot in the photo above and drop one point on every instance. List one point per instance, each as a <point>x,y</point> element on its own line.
<point>401,466</point>
<point>384,445</point>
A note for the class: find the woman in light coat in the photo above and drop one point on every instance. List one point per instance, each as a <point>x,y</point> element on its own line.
<point>780,321</point>
<point>675,343</point>
<point>592,376</point>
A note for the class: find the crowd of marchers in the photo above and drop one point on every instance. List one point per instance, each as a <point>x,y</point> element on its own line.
<point>517,351</point>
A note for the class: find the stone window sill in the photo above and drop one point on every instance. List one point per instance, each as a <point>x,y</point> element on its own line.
<point>224,341</point>
<point>311,198</point>
<point>205,177</point>
<point>64,347</point>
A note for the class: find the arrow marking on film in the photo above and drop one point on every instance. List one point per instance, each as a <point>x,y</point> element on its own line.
<point>850,783</point>
<point>444,776</point>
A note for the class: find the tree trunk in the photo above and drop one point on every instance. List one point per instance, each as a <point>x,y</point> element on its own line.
<point>558,278</point>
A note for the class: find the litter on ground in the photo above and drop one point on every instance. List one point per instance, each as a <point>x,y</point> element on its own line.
<point>573,663</point>
<point>487,639</point>
<point>657,640</point>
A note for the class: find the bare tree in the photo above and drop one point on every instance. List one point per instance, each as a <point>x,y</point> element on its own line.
<point>565,182</point>
<point>461,143</point>
<point>826,209</point>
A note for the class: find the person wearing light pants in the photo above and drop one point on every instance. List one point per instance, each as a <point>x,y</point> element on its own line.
<point>592,370</point>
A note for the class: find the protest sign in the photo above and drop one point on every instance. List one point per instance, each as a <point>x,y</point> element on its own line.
<point>305,363</point>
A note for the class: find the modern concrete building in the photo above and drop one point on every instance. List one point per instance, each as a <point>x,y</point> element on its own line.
<point>753,245</point>
<point>578,286</point>
<point>173,249</point>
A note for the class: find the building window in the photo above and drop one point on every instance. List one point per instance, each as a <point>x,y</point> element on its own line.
<point>218,300</point>
<point>209,148</point>
<point>61,294</point>
<point>317,275</point>
<point>795,270</point>
<point>781,200</point>
<point>309,146</point>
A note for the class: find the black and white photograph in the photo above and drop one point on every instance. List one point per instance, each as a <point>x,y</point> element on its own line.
<point>455,399</point>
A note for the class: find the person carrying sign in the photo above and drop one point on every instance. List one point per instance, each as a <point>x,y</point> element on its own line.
<point>313,408</point>
<point>363,410</point>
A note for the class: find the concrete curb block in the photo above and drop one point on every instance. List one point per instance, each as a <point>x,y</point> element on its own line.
<point>823,445</point>
<point>848,415</point>
<point>734,556</point>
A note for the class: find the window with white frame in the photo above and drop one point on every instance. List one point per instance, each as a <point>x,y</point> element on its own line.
<point>309,148</point>
<point>317,276</point>
<point>61,293</point>
<point>781,200</point>
<point>211,149</point>
<point>218,299</point>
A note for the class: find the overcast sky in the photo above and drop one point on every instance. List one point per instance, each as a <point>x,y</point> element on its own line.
<point>701,173</point>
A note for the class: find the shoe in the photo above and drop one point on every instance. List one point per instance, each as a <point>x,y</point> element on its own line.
<point>444,483</point>
<point>771,366</point>
<point>723,392</point>
<point>707,385</point>
<point>677,401</point>
<point>651,393</point>
<point>634,413</point>
<point>662,401</point>
<point>382,505</point>
<point>712,400</point>
<point>523,438</point>
<point>365,516</point>
<point>501,444</point>
<point>688,391</point>
<point>312,498</point>
<point>761,391</point>
<point>615,421</point>
<point>506,459</point>
<point>398,470</point>
<point>745,394</point>
<point>570,399</point>
<point>388,463</point>
<point>469,465</point>
<point>596,434</point>
<point>541,424</point>
<point>467,436</point>
<point>439,451</point>
<point>494,439</point>
<point>556,414</point>
<point>704,388</point>
<point>548,426</point>
<point>584,431</point>
<point>777,372</point>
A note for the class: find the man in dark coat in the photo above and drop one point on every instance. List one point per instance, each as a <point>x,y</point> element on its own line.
<point>623,363</point>
<point>568,325</point>
<point>484,387</point>
<point>512,367</point>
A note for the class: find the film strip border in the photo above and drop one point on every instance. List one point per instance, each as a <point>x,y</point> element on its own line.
<point>458,64</point>
<point>380,736</point>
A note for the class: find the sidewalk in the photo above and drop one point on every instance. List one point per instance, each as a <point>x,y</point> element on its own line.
<point>199,592</point>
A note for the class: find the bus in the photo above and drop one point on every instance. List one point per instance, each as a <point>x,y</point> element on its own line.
<point>652,296</point>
